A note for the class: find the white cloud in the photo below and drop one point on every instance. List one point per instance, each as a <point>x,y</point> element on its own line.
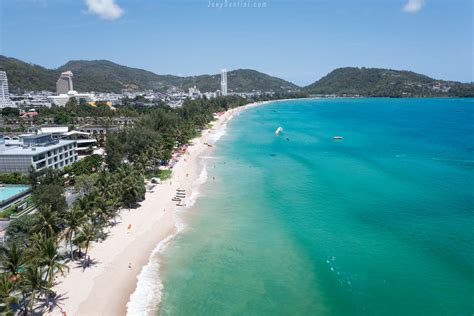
<point>413,6</point>
<point>106,9</point>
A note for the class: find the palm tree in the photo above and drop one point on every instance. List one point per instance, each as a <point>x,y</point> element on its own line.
<point>73,219</point>
<point>45,254</point>
<point>47,222</point>
<point>87,233</point>
<point>32,282</point>
<point>99,207</point>
<point>7,288</point>
<point>12,258</point>
<point>113,203</point>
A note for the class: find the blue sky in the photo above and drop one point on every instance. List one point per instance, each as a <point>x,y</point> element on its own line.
<point>298,40</point>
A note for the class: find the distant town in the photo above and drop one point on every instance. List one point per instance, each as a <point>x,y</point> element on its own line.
<point>173,97</point>
<point>35,135</point>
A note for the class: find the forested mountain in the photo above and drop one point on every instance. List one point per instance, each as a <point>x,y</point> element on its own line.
<point>24,76</point>
<point>241,80</point>
<point>379,82</point>
<point>106,76</point>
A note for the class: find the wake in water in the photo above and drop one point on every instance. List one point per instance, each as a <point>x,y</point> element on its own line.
<point>147,294</point>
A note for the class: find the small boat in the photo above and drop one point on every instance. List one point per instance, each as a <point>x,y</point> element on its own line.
<point>338,138</point>
<point>278,130</point>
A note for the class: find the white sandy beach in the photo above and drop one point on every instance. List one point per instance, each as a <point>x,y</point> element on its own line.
<point>105,287</point>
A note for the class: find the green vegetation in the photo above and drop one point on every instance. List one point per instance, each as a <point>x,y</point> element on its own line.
<point>106,76</point>
<point>10,112</point>
<point>377,82</point>
<point>87,165</point>
<point>12,209</point>
<point>241,80</point>
<point>155,135</point>
<point>14,178</point>
<point>73,112</point>
<point>165,174</point>
<point>162,174</point>
<point>25,76</point>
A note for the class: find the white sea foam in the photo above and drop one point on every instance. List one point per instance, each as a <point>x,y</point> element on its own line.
<point>148,291</point>
<point>214,137</point>
<point>211,157</point>
<point>147,294</point>
<point>195,191</point>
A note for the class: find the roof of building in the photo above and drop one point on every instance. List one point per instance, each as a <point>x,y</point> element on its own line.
<point>33,150</point>
<point>76,133</point>
<point>54,129</point>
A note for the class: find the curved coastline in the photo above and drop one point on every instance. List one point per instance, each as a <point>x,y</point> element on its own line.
<point>146,297</point>
<point>118,281</point>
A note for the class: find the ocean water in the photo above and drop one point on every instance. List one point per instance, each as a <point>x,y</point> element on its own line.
<point>380,223</point>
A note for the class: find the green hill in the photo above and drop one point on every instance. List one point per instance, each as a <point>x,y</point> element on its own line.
<point>379,82</point>
<point>24,76</point>
<point>106,76</point>
<point>241,80</point>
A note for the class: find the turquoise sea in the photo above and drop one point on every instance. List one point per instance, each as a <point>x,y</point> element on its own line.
<point>380,223</point>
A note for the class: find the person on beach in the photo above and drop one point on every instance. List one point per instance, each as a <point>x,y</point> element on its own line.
<point>129,228</point>
<point>129,265</point>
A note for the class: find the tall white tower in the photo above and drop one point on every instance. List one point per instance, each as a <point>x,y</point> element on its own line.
<point>4,94</point>
<point>64,83</point>
<point>224,82</point>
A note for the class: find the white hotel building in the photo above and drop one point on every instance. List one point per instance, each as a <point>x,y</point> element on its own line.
<point>37,151</point>
<point>4,93</point>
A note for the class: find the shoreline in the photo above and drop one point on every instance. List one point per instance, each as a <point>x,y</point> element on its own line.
<point>112,284</point>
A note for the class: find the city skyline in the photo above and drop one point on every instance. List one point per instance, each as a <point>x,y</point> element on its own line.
<point>298,41</point>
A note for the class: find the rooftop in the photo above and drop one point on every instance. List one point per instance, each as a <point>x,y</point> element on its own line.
<point>28,151</point>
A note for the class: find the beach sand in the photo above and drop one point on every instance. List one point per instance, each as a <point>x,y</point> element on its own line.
<point>105,287</point>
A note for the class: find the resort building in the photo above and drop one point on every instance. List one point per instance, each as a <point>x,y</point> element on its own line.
<point>85,142</point>
<point>194,92</point>
<point>64,83</point>
<point>36,151</point>
<point>224,82</point>
<point>62,99</point>
<point>4,93</point>
<point>65,91</point>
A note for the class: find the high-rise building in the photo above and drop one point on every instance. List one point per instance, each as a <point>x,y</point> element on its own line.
<point>37,151</point>
<point>224,82</point>
<point>4,94</point>
<point>64,83</point>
